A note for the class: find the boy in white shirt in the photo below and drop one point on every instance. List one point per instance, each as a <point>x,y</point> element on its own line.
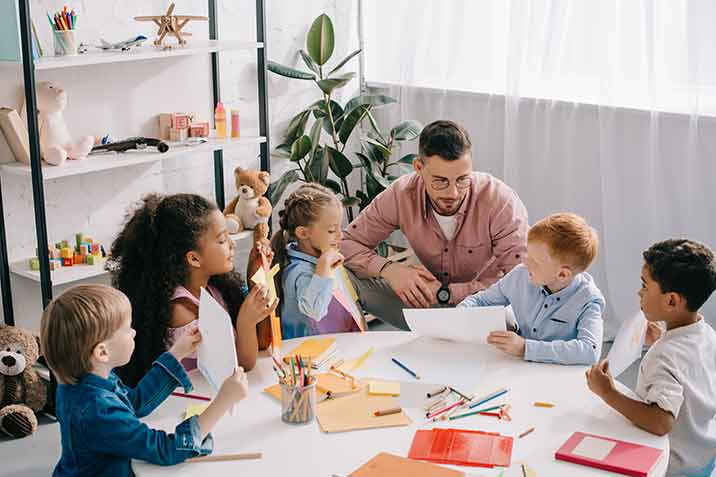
<point>677,376</point>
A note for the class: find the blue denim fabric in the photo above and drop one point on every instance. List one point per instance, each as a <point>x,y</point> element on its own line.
<point>564,327</point>
<point>100,427</point>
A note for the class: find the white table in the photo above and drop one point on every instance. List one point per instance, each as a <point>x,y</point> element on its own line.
<point>306,450</point>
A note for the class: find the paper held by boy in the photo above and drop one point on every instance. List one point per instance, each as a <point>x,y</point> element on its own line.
<point>628,344</point>
<point>216,357</point>
<point>468,325</point>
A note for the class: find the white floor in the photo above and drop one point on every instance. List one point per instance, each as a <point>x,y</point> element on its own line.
<point>36,456</point>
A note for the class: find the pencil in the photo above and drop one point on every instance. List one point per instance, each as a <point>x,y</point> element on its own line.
<point>387,412</point>
<point>224,457</point>
<point>436,392</point>
<point>543,404</point>
<point>467,399</point>
<point>191,396</point>
<point>489,397</point>
<point>527,432</point>
<point>481,411</point>
<point>408,370</point>
<point>524,470</point>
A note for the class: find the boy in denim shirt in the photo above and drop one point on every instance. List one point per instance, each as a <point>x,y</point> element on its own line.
<point>86,332</point>
<point>557,306</point>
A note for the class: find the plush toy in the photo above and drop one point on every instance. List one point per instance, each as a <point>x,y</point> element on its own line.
<point>56,144</point>
<point>22,392</point>
<point>249,209</point>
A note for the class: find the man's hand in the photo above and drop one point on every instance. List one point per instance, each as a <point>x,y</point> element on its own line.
<point>415,286</point>
<point>508,341</point>
<point>600,380</point>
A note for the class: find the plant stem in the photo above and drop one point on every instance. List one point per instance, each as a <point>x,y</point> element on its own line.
<point>346,194</point>
<point>327,99</point>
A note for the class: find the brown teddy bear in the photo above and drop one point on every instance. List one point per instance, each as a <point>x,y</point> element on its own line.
<point>249,209</point>
<point>22,392</point>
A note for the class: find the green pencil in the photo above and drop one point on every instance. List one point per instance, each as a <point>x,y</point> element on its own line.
<point>487,409</point>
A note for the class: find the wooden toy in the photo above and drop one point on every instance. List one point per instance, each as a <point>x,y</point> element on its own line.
<point>178,134</point>
<point>170,24</point>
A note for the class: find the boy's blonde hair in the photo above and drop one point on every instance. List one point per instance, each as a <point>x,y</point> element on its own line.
<point>569,237</point>
<point>77,321</point>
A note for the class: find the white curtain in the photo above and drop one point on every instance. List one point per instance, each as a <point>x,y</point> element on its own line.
<point>604,108</point>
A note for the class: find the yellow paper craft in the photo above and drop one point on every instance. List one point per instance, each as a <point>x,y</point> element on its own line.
<point>314,348</point>
<point>324,382</point>
<point>355,412</point>
<point>353,364</point>
<point>264,277</point>
<point>346,295</point>
<point>383,388</point>
<point>194,410</point>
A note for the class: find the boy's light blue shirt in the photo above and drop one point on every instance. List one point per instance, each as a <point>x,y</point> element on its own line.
<point>305,295</point>
<point>564,327</point>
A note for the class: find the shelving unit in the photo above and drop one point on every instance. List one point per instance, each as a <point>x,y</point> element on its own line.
<point>39,173</point>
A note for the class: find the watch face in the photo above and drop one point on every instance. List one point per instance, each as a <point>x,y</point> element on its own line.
<point>443,295</point>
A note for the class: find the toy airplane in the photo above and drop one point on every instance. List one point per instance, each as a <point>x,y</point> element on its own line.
<point>170,24</point>
<point>125,45</point>
<point>132,143</point>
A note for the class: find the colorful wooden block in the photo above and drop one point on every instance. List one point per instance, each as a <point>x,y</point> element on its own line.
<point>67,262</point>
<point>178,134</point>
<point>180,121</point>
<point>55,263</point>
<point>78,259</point>
<point>199,129</point>
<point>96,249</point>
<point>66,252</point>
<point>165,122</point>
<point>84,249</point>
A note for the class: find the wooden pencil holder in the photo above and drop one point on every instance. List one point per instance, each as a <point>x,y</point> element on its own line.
<point>65,42</point>
<point>298,404</point>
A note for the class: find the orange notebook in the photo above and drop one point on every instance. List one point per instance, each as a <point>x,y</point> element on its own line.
<point>314,348</point>
<point>462,447</point>
<point>385,464</point>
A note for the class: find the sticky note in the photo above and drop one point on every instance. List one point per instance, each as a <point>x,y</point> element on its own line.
<point>194,410</point>
<point>383,388</point>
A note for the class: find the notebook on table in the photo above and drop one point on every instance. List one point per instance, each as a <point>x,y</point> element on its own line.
<point>462,447</point>
<point>317,349</point>
<point>385,464</point>
<point>621,457</point>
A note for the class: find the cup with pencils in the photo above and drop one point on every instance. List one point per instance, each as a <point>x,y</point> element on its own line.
<point>64,25</point>
<point>298,391</point>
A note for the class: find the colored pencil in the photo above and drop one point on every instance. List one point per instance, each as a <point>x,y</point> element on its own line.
<point>466,398</point>
<point>387,412</point>
<point>408,370</point>
<point>445,409</point>
<point>489,397</point>
<point>527,432</point>
<point>436,392</point>
<point>191,396</point>
<point>481,411</point>
<point>224,457</point>
<point>543,404</point>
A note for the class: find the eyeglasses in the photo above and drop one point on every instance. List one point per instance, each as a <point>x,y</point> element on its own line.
<point>442,183</point>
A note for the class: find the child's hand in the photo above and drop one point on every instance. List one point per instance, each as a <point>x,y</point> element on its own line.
<point>257,305</point>
<point>328,262</point>
<point>235,387</point>
<point>187,343</point>
<point>654,330</point>
<point>508,341</point>
<point>599,379</point>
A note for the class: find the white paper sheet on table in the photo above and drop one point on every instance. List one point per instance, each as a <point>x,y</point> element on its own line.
<point>216,357</point>
<point>470,325</point>
<point>627,344</point>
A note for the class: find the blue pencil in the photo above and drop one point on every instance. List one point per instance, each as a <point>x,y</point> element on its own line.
<point>489,398</point>
<point>411,372</point>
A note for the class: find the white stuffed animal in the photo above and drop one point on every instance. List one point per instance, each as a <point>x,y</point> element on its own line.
<point>56,144</point>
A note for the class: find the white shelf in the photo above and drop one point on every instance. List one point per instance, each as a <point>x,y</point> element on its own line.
<point>147,51</point>
<point>103,162</point>
<point>59,276</point>
<point>74,273</point>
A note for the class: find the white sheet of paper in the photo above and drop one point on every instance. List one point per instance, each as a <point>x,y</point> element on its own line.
<point>216,357</point>
<point>593,448</point>
<point>627,344</point>
<point>470,325</point>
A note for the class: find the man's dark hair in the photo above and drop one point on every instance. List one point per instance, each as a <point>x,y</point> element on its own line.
<point>685,267</point>
<point>446,139</point>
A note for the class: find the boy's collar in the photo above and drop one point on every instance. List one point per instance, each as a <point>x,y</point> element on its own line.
<point>568,290</point>
<point>94,380</point>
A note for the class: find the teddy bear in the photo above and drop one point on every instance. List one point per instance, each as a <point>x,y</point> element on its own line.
<point>22,392</point>
<point>249,209</point>
<point>56,144</point>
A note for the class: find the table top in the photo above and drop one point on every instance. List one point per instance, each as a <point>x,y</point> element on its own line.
<point>298,450</point>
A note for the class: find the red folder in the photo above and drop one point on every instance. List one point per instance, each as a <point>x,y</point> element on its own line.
<point>462,447</point>
<point>625,458</point>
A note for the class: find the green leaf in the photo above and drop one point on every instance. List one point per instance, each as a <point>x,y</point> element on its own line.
<point>375,100</point>
<point>373,187</point>
<point>289,72</point>
<point>320,40</point>
<point>328,85</point>
<point>367,164</point>
<point>318,165</point>
<point>333,185</point>
<point>309,62</point>
<point>383,181</point>
<point>320,111</point>
<point>351,121</point>
<point>374,153</point>
<point>402,169</point>
<point>407,130</point>
<point>350,201</point>
<point>297,126</point>
<point>345,60</point>
<point>340,165</point>
<point>276,189</point>
<point>283,150</point>
<point>382,149</point>
<point>300,148</point>
<point>408,159</point>
<point>316,134</point>
<point>364,199</point>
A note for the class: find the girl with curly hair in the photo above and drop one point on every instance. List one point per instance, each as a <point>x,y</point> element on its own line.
<point>171,247</point>
<point>306,247</point>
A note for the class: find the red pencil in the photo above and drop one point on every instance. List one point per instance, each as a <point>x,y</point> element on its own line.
<point>191,396</point>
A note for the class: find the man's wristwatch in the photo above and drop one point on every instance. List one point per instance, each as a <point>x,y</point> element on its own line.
<point>444,295</point>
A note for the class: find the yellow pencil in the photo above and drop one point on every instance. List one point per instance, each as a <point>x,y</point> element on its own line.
<point>543,404</point>
<point>218,458</point>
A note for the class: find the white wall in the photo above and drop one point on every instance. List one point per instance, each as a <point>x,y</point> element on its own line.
<point>123,99</point>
